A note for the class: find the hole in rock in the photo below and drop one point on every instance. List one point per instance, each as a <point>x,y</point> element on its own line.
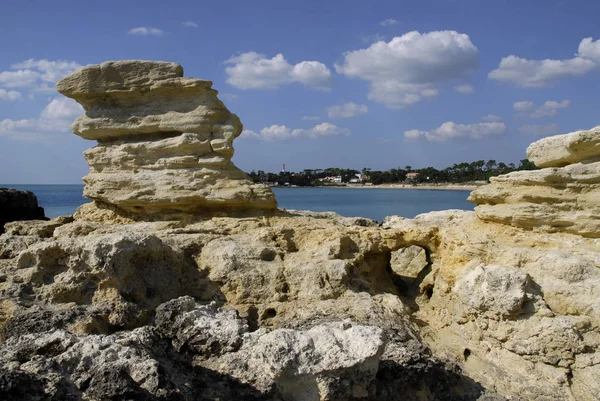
<point>268,255</point>
<point>252,318</point>
<point>269,313</point>
<point>467,353</point>
<point>428,291</point>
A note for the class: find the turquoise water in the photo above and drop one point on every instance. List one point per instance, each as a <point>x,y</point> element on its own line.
<point>374,203</point>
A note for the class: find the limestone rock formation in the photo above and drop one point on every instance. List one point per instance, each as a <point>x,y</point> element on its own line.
<point>501,303</point>
<point>285,307</point>
<point>562,150</point>
<point>18,205</point>
<point>563,197</point>
<point>164,142</point>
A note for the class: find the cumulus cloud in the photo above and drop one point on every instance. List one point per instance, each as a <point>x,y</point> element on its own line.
<point>540,130</point>
<point>408,68</point>
<point>19,79</point>
<point>589,49</point>
<point>465,89</point>
<point>189,24</point>
<point>229,96</point>
<point>388,22</point>
<point>451,131</point>
<point>280,132</point>
<point>255,71</point>
<point>541,73</point>
<point>347,110</point>
<point>525,105</point>
<point>491,118</point>
<point>377,37</point>
<point>54,119</point>
<point>548,109</point>
<point>9,96</point>
<point>145,31</point>
<point>36,75</point>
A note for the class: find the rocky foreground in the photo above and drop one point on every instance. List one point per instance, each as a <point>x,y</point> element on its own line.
<point>263,304</point>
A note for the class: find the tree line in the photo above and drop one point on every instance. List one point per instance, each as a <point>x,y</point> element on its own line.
<point>479,170</point>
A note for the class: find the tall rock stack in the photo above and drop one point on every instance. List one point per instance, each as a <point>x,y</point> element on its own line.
<point>564,196</point>
<point>164,141</point>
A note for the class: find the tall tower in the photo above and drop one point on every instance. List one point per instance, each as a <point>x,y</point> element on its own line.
<point>283,168</point>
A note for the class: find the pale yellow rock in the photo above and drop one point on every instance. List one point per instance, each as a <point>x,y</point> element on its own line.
<point>164,142</point>
<point>562,150</point>
<point>522,330</point>
<point>551,199</point>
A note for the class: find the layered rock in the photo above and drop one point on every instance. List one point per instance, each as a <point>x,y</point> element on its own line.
<point>18,205</point>
<point>164,142</point>
<point>299,305</point>
<point>562,197</point>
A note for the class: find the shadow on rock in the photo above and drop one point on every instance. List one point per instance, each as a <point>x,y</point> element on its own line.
<point>426,380</point>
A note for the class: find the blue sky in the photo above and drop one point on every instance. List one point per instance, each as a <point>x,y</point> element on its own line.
<point>317,84</point>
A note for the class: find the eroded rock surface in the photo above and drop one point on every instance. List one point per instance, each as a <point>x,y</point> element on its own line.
<point>164,142</point>
<point>563,197</point>
<point>141,295</point>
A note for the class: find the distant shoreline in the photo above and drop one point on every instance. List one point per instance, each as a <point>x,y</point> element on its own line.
<point>441,187</point>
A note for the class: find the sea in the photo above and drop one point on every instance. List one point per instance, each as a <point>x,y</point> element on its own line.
<point>373,203</point>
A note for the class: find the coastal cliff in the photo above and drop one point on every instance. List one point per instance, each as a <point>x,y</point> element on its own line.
<point>144,295</point>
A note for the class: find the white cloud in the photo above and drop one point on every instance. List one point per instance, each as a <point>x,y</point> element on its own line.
<point>465,89</point>
<point>491,118</point>
<point>589,49</point>
<point>189,24</point>
<point>51,71</point>
<point>229,96</point>
<point>249,134</point>
<point>388,22</point>
<point>311,118</point>
<point>548,109</point>
<point>377,37</point>
<point>409,67</point>
<point>540,73</point>
<point>540,130</point>
<point>9,96</point>
<point>19,79</point>
<point>254,71</point>
<point>61,108</point>
<point>54,118</point>
<point>280,132</point>
<point>37,75</point>
<point>450,131</point>
<point>525,105</point>
<point>347,110</point>
<point>145,31</point>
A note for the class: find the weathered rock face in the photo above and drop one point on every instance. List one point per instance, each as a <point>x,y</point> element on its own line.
<point>519,309</point>
<point>294,306</point>
<point>285,307</point>
<point>562,150</point>
<point>563,197</point>
<point>164,142</point>
<point>18,205</point>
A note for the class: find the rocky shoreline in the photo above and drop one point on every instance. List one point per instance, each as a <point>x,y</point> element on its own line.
<point>163,289</point>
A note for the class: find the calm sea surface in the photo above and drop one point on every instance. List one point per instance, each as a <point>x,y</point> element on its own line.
<point>60,200</point>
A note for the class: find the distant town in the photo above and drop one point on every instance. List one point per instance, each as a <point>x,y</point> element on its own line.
<point>463,173</point>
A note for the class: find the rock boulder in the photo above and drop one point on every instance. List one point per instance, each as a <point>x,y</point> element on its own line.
<point>18,205</point>
<point>164,142</point>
